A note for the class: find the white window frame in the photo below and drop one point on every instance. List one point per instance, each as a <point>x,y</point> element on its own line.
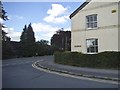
<point>91,22</point>
<point>92,49</point>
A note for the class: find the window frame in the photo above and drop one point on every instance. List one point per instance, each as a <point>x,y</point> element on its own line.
<point>95,46</point>
<point>91,20</point>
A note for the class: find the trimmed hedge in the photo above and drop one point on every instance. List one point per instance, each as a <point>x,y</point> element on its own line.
<point>102,60</point>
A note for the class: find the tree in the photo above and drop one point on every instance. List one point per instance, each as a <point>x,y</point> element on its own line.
<point>42,48</point>
<point>43,42</point>
<point>30,34</point>
<point>4,37</point>
<point>27,41</point>
<point>7,48</point>
<point>3,12</point>
<point>4,17</point>
<point>23,36</point>
<point>27,35</point>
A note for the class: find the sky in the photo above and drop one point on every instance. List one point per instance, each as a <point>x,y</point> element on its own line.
<point>46,18</point>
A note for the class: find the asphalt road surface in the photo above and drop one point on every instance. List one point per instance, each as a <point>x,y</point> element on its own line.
<point>19,73</point>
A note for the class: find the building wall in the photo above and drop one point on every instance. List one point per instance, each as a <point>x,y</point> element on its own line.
<point>106,33</point>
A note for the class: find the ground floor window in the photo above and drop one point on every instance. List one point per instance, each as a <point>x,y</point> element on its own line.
<point>92,45</point>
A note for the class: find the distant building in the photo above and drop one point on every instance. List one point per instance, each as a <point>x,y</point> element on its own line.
<point>95,27</point>
<point>61,40</point>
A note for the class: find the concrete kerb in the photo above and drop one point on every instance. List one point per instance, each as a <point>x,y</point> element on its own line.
<point>36,64</point>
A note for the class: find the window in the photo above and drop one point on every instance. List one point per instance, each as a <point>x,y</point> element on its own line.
<point>91,21</point>
<point>92,45</point>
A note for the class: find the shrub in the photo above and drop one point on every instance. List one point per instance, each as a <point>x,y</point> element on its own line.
<point>101,60</point>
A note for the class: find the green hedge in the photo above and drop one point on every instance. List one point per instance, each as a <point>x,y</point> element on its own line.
<point>101,60</point>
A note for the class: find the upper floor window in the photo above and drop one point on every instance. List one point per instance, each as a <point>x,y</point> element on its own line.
<point>91,21</point>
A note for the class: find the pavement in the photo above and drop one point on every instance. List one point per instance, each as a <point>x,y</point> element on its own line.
<point>105,74</point>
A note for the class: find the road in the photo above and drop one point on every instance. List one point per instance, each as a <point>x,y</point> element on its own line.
<point>19,73</point>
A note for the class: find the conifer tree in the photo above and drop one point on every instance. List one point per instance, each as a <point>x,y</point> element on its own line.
<point>27,35</point>
<point>27,40</point>
<point>23,36</point>
<point>7,50</point>
<point>30,34</point>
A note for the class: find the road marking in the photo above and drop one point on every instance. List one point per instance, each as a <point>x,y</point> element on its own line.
<point>78,77</point>
<point>3,65</point>
<point>25,62</point>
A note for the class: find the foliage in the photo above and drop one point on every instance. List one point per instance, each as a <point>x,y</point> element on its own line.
<point>3,12</point>
<point>4,36</point>
<point>42,48</point>
<point>27,35</point>
<point>43,42</point>
<point>4,17</point>
<point>27,42</point>
<point>6,45</point>
<point>7,51</point>
<point>101,60</point>
<point>27,47</point>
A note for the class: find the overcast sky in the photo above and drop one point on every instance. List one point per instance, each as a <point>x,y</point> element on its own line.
<point>46,17</point>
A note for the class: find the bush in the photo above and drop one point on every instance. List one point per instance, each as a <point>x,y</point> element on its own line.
<point>101,60</point>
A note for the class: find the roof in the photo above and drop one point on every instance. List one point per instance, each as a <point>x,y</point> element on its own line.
<point>79,8</point>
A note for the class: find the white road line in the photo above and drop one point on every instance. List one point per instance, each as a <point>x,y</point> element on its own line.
<point>78,77</point>
<point>18,63</point>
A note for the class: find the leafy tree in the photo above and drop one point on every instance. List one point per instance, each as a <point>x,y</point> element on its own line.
<point>43,42</point>
<point>42,48</point>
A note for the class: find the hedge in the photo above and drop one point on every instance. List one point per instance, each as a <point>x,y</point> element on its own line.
<point>102,60</point>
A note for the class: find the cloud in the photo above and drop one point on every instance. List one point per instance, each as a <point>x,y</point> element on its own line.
<point>67,29</point>
<point>52,19</point>
<point>42,27</point>
<point>57,14</point>
<point>15,36</point>
<point>43,31</point>
<point>1,20</point>
<point>56,10</point>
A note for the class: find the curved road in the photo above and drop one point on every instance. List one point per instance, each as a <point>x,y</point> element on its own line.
<point>19,73</point>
